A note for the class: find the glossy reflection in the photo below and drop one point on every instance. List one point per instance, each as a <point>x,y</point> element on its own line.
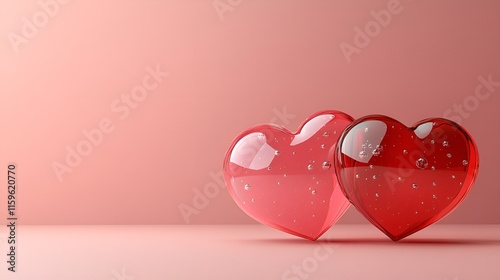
<point>286,180</point>
<point>404,179</point>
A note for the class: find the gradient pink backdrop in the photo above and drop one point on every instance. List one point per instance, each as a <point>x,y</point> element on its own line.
<point>224,76</point>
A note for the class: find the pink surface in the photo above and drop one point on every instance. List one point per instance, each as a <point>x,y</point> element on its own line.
<point>347,252</point>
<point>92,79</point>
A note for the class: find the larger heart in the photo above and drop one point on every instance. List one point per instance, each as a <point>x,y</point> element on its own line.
<point>286,180</point>
<point>405,179</point>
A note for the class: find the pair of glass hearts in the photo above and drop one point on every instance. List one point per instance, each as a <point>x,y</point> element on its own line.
<point>401,179</point>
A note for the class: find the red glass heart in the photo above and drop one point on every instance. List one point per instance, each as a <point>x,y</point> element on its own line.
<point>405,179</point>
<point>286,180</point>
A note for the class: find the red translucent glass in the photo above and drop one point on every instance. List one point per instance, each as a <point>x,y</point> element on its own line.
<point>286,180</point>
<point>405,179</point>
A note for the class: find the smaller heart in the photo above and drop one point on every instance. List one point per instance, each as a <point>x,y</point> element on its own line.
<point>405,179</point>
<point>286,180</point>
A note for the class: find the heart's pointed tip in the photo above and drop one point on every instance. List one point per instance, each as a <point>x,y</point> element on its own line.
<point>312,238</point>
<point>396,238</point>
<point>307,237</point>
<point>317,235</point>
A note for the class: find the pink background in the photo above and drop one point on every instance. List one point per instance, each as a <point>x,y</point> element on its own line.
<point>264,57</point>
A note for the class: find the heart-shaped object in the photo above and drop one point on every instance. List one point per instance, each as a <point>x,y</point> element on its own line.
<point>405,179</point>
<point>287,180</point>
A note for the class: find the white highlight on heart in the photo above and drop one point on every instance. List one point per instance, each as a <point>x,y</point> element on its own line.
<point>423,130</point>
<point>310,128</point>
<point>253,152</point>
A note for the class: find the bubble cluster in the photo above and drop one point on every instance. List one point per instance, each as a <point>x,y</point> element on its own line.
<point>362,155</point>
<point>377,150</point>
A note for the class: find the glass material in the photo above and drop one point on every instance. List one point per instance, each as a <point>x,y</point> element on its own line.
<point>405,179</point>
<point>287,180</point>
